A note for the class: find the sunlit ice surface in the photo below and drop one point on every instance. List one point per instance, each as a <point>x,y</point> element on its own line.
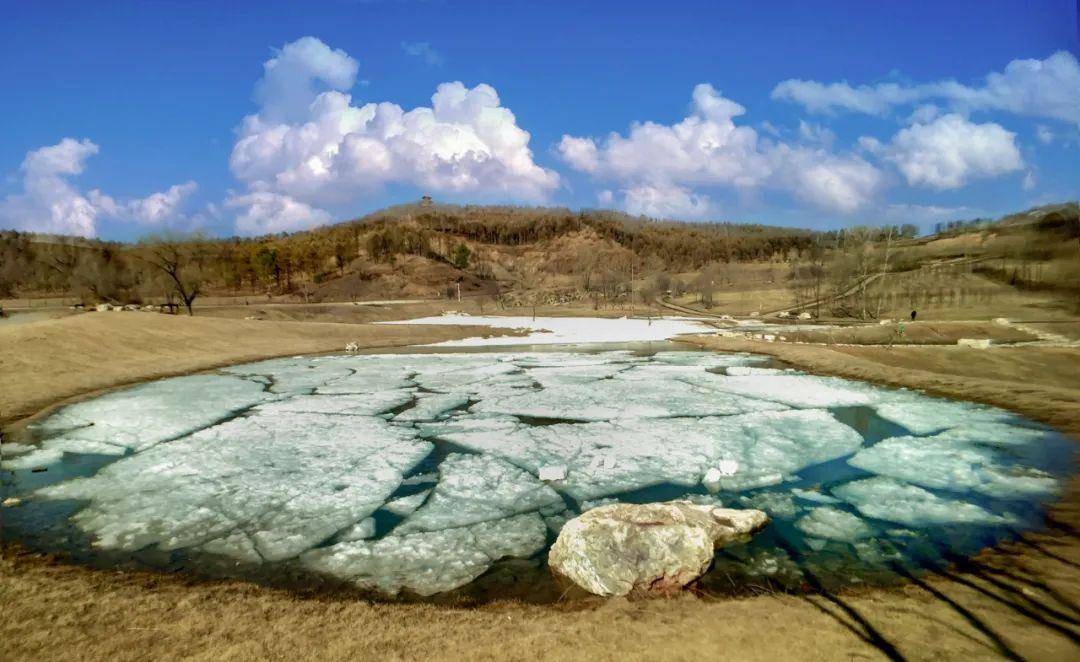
<point>420,473</point>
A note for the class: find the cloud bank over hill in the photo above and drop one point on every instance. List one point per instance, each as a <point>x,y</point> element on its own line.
<point>657,166</point>
<point>305,147</point>
<point>311,149</point>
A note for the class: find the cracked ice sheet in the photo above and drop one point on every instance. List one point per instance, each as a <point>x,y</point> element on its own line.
<point>768,446</point>
<point>369,379</point>
<point>619,398</point>
<point>366,404</point>
<point>483,379</point>
<point>140,417</point>
<point>294,375</point>
<point>432,406</point>
<point>921,414</point>
<point>565,330</point>
<point>892,500</point>
<point>947,462</point>
<point>639,461</point>
<point>430,562</point>
<point>406,505</point>
<point>262,486</point>
<point>797,390</point>
<point>479,488</point>
<point>771,446</point>
<point>566,375</point>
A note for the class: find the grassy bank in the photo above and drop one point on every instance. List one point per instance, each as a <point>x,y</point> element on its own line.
<point>1022,600</point>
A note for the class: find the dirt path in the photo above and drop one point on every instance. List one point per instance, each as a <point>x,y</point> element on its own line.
<point>1020,602</point>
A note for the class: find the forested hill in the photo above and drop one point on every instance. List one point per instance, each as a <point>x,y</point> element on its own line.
<point>426,250</point>
<point>406,250</point>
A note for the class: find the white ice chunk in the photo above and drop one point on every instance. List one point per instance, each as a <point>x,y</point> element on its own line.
<point>365,404</point>
<point>35,459</point>
<point>431,406</point>
<point>10,449</point>
<point>405,505</point>
<point>478,488</point>
<point>814,496</point>
<point>430,562</point>
<point>362,530</point>
<point>772,445</point>
<point>923,415</point>
<point>889,499</point>
<point>945,462</point>
<point>834,524</point>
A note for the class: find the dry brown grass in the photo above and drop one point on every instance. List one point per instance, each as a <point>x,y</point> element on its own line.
<point>919,333</point>
<point>1022,600</point>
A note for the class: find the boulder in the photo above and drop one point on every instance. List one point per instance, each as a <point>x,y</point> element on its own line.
<point>643,549</point>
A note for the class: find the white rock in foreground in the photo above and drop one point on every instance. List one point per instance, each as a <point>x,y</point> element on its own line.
<point>646,548</point>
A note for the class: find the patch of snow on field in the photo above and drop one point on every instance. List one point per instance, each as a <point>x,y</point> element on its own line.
<point>565,330</point>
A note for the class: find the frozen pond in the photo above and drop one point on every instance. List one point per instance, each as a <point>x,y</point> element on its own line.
<point>420,473</point>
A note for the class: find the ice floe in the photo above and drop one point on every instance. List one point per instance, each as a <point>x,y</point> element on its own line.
<point>478,488</point>
<point>834,524</point>
<point>429,562</point>
<point>895,501</point>
<point>945,462</point>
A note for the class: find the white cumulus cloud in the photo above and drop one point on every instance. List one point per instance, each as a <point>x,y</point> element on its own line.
<point>658,166</point>
<point>666,201</point>
<point>334,150</point>
<point>265,212</point>
<point>50,203</point>
<point>951,151</point>
<point>1047,88</point>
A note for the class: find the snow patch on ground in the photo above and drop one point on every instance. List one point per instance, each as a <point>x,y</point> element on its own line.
<point>566,330</point>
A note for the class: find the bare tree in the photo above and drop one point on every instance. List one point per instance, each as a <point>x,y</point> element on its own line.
<point>181,261</point>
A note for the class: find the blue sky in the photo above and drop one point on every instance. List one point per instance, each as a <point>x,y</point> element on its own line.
<point>125,118</point>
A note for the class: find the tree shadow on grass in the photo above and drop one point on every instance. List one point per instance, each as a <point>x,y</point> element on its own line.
<point>855,622</point>
<point>998,643</point>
